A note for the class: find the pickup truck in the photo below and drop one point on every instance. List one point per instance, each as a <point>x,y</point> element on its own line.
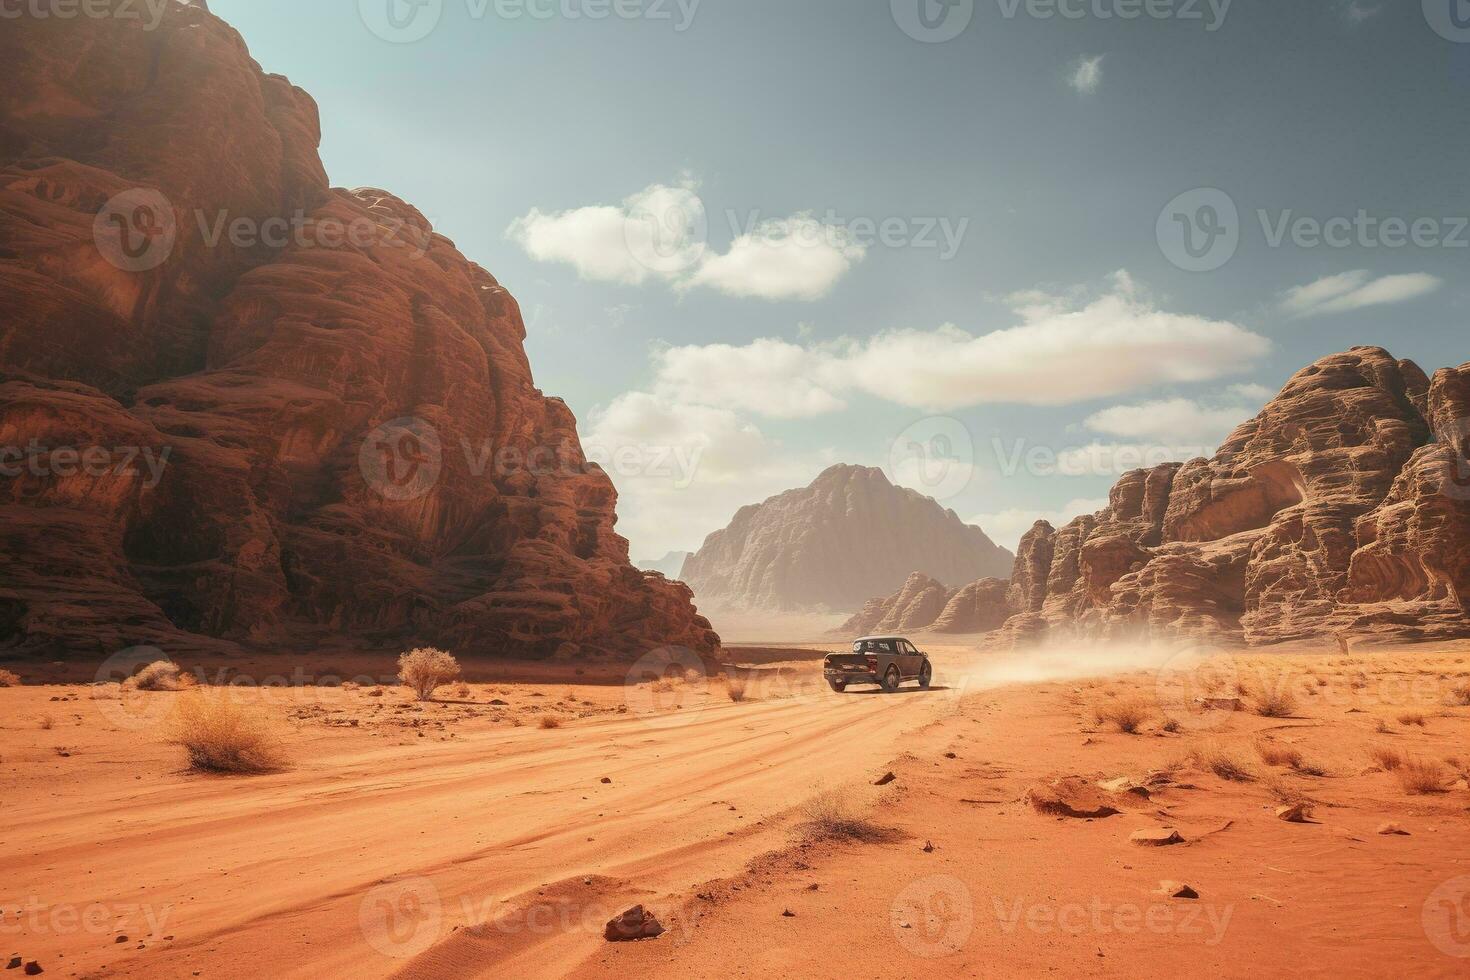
<point>886,661</point>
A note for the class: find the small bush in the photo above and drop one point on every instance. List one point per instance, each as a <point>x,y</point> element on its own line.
<point>1221,763</point>
<point>550,721</point>
<point>161,675</point>
<point>225,737</point>
<point>1386,758</point>
<point>1274,754</point>
<point>1127,715</point>
<point>47,723</point>
<point>832,815</point>
<point>1421,776</point>
<point>1412,718</point>
<point>9,679</point>
<point>1460,695</point>
<point>735,688</point>
<point>424,670</point>
<point>1284,792</point>
<point>1274,703</point>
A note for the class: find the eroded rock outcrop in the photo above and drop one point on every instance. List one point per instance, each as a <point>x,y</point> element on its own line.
<point>925,605</point>
<point>1343,507</point>
<point>849,536</point>
<point>243,407</point>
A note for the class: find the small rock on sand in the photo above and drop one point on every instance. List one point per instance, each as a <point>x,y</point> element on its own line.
<point>1294,812</point>
<point>1177,889</point>
<point>636,923</point>
<point>1156,837</point>
<point>1070,797</point>
<point>1393,830</point>
<point>885,779</point>
<point>33,968</point>
<point>606,779</point>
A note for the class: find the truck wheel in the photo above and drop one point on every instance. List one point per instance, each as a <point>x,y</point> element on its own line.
<point>926,675</point>
<point>891,680</point>
<point>838,686</point>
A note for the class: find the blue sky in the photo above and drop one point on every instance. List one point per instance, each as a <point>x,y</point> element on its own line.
<point>687,202</point>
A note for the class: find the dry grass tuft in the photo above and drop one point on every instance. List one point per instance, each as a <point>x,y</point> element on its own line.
<point>47,723</point>
<point>1459,696</point>
<point>1275,754</point>
<point>1418,777</point>
<point>225,737</point>
<point>550,721</point>
<point>161,675</point>
<point>1413,718</point>
<point>1274,702</point>
<point>1386,758</point>
<point>735,688</point>
<point>833,815</point>
<point>425,669</point>
<point>9,679</point>
<point>1283,791</point>
<point>1129,716</point>
<point>1222,763</point>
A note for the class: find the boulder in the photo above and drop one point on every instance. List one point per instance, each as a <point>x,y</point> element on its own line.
<point>634,924</point>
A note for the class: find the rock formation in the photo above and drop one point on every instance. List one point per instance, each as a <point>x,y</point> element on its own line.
<point>241,407</point>
<point>1343,507</point>
<point>670,566</point>
<point>849,536</point>
<point>924,605</point>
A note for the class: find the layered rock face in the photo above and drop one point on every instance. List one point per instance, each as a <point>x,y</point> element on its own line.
<point>849,536</point>
<point>924,605</point>
<point>1343,507</point>
<point>240,407</point>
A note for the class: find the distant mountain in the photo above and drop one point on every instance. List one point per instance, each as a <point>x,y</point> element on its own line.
<point>849,536</point>
<point>669,566</point>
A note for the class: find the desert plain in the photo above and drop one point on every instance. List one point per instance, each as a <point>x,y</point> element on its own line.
<point>1077,812</point>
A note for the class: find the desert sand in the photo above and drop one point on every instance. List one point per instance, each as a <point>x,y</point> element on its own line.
<point>464,838</point>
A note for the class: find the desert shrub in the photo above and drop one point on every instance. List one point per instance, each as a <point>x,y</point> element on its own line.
<point>1386,758</point>
<point>1421,776</point>
<point>9,679</point>
<point>1222,763</point>
<point>1283,791</point>
<point>1275,754</point>
<point>550,721</point>
<point>1274,702</point>
<point>735,688</point>
<point>1460,695</point>
<point>1413,718</point>
<point>46,723</point>
<point>223,736</point>
<point>1127,715</point>
<point>425,669</point>
<point>161,675</point>
<point>833,815</point>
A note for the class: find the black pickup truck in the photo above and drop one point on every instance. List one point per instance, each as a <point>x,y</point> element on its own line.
<point>887,661</point>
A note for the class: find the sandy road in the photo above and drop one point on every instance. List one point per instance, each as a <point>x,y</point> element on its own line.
<point>366,858</point>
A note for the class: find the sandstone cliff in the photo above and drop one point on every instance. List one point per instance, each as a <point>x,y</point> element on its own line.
<point>849,536</point>
<point>1343,506</point>
<point>924,605</point>
<point>242,407</point>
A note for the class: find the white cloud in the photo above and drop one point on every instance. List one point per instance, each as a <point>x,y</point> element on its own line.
<point>1356,290</point>
<point>1171,419</point>
<point>683,470</point>
<point>1006,527</point>
<point>768,377</point>
<point>1251,393</point>
<point>1086,75</point>
<point>653,234</point>
<point>661,234</point>
<point>1116,343</point>
<point>797,258</point>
